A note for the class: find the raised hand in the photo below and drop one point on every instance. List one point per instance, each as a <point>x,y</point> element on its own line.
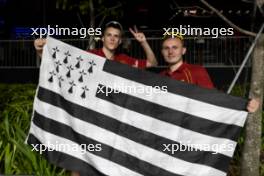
<point>139,36</point>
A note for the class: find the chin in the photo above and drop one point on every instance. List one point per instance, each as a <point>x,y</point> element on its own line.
<point>112,47</point>
<point>171,62</point>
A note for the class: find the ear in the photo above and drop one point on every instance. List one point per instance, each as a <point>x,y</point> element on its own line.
<point>102,39</point>
<point>183,50</point>
<point>120,41</point>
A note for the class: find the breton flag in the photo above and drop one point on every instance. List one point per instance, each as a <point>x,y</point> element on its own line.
<point>101,117</point>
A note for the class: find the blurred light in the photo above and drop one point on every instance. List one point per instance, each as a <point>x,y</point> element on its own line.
<point>247,12</point>
<point>194,11</point>
<point>143,26</point>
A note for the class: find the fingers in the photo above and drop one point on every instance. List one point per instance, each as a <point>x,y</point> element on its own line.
<point>139,36</point>
<point>39,43</point>
<point>135,29</point>
<point>133,32</point>
<point>135,64</point>
<point>253,105</point>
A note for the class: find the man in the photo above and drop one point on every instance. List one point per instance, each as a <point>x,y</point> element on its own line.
<point>112,38</point>
<point>172,50</point>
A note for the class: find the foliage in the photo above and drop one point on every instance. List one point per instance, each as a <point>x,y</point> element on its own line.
<point>16,157</point>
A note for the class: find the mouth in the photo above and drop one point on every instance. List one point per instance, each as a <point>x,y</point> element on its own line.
<point>171,56</point>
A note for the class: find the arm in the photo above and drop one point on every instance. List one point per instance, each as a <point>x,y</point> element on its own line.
<point>140,37</point>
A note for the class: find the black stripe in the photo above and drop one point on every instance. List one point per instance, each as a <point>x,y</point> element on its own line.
<point>107,152</point>
<point>172,116</point>
<point>177,87</point>
<point>63,160</point>
<point>218,161</point>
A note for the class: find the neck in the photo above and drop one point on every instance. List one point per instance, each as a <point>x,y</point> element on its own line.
<point>109,54</point>
<point>175,66</point>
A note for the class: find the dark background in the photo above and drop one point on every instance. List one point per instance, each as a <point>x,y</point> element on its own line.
<point>146,14</point>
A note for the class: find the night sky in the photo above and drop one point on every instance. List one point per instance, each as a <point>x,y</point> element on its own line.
<point>146,14</point>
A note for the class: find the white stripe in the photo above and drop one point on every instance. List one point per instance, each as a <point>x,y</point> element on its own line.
<point>161,128</point>
<point>142,152</point>
<point>101,164</point>
<point>166,130</point>
<point>180,103</point>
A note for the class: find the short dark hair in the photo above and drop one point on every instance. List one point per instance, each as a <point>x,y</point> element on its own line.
<point>113,24</point>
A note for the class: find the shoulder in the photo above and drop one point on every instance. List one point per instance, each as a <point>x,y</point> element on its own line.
<point>164,71</point>
<point>122,56</point>
<point>94,51</point>
<point>195,68</point>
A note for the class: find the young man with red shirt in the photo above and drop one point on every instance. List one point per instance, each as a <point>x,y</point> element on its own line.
<point>172,50</point>
<point>112,38</point>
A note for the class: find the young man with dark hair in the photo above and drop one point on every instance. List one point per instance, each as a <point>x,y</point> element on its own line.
<point>112,38</point>
<point>173,50</point>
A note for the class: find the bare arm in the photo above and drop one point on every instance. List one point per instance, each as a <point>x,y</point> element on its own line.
<point>140,37</point>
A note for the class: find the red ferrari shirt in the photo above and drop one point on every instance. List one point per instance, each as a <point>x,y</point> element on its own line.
<point>123,58</point>
<point>193,74</point>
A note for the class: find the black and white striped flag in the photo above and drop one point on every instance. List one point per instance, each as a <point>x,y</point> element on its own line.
<point>101,117</point>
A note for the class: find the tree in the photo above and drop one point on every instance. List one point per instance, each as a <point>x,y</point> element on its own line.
<point>252,146</point>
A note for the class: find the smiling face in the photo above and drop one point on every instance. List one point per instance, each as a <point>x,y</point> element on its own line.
<point>173,50</point>
<point>111,38</point>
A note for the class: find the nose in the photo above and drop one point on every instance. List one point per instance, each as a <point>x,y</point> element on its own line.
<point>112,38</point>
<point>170,50</point>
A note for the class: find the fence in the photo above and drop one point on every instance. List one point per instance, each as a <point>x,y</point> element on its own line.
<point>224,51</point>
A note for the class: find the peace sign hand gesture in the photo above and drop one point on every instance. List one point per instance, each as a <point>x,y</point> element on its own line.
<point>139,36</point>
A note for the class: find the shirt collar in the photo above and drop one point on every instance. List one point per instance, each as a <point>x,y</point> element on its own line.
<point>179,70</point>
